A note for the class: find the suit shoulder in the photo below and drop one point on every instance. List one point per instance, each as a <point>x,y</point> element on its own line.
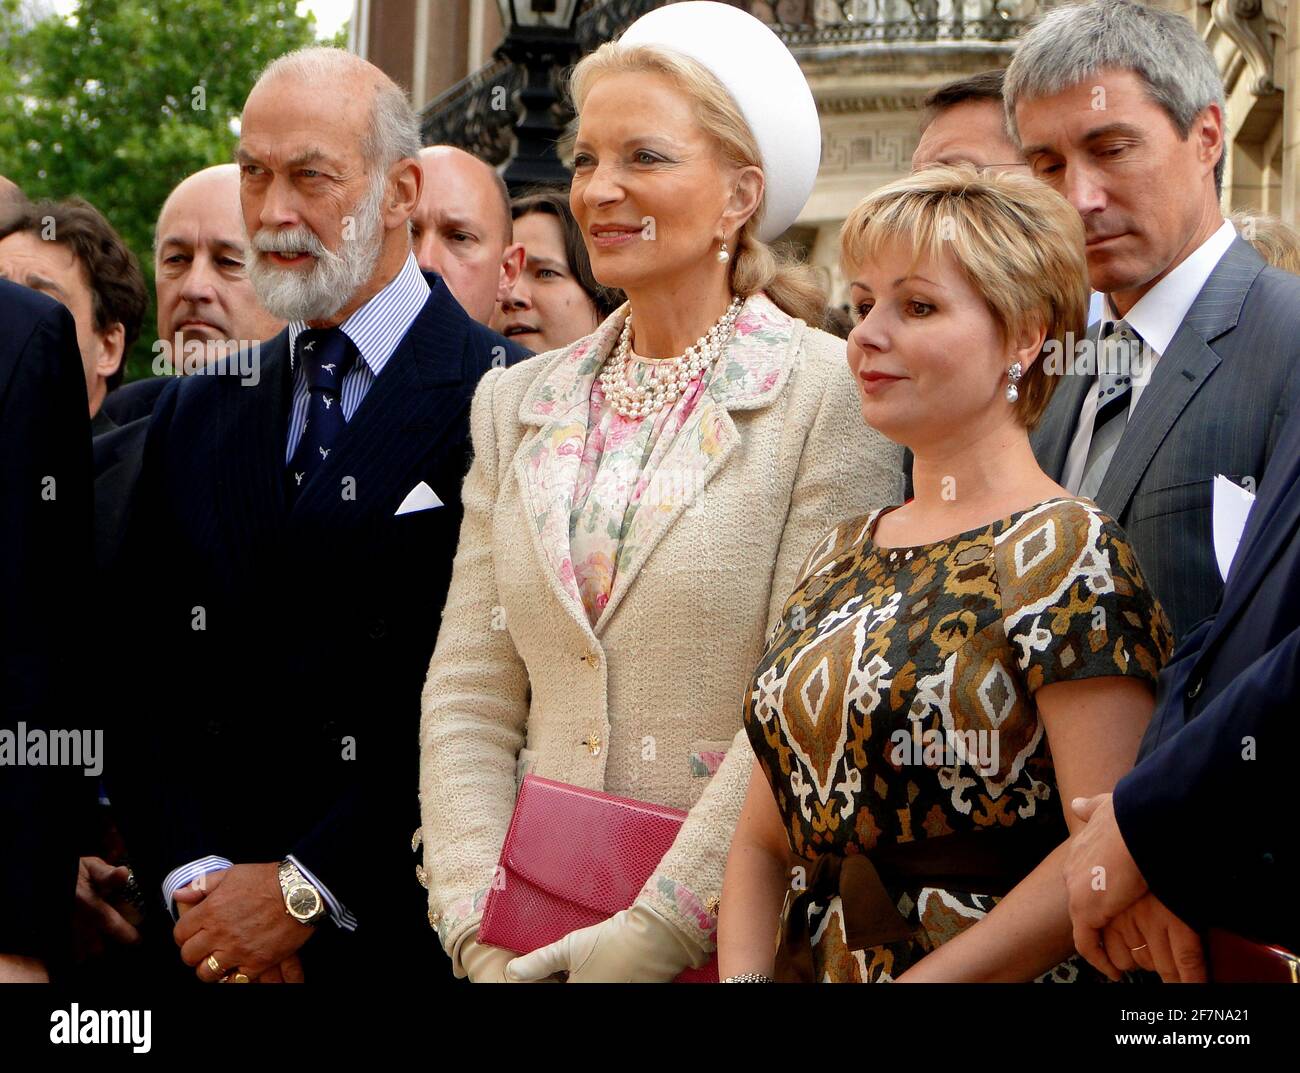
<point>1279,293</point>
<point>26,312</point>
<point>491,349</point>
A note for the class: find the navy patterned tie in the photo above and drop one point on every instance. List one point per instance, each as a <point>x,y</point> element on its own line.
<point>326,355</point>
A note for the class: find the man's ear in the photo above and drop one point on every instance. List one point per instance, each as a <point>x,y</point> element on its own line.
<point>1207,128</point>
<point>746,195</point>
<point>405,184</point>
<point>112,349</point>
<point>512,264</point>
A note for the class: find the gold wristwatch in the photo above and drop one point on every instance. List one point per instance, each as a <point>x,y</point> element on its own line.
<point>302,901</point>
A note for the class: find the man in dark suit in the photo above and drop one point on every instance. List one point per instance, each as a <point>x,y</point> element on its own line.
<point>1205,824</point>
<point>1119,106</point>
<point>307,517</point>
<point>45,569</point>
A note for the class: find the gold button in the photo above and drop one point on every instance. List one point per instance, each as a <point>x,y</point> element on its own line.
<point>434,918</point>
<point>713,905</point>
<point>416,839</point>
<point>422,876</point>
<point>590,659</point>
<point>592,743</point>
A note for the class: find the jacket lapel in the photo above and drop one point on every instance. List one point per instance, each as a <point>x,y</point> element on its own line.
<point>751,372</point>
<point>1179,373</point>
<point>547,462</point>
<point>391,430</point>
<point>1263,540</point>
<point>255,421</point>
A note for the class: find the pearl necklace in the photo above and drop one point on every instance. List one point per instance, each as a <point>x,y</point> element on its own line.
<point>667,380</point>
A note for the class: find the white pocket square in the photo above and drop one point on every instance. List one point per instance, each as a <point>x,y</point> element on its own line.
<point>421,497</point>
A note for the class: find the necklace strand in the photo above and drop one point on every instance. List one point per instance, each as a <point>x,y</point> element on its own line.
<point>666,381</point>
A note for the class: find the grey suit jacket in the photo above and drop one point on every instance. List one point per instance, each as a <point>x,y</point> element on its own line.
<point>1217,400</point>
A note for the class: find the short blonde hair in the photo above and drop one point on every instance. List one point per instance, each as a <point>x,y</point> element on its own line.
<point>792,285</point>
<point>1274,239</point>
<point>1019,243</point>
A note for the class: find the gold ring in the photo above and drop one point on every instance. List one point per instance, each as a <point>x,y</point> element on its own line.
<point>1135,949</point>
<point>215,966</point>
<point>238,977</point>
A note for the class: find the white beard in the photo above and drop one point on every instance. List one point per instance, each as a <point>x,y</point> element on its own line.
<point>328,286</point>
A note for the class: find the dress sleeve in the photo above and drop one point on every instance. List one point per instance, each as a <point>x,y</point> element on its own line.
<point>1075,604</point>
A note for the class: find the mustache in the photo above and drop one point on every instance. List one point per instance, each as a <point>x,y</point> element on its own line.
<point>290,240</point>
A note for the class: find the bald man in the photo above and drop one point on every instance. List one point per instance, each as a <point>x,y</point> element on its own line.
<point>12,200</point>
<point>462,229</point>
<point>267,783</point>
<point>200,260</point>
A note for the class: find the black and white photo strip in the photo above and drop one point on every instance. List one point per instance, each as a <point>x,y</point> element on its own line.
<point>778,492</point>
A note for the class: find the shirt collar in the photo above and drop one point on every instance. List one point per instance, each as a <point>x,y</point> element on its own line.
<point>1157,314</point>
<point>379,325</point>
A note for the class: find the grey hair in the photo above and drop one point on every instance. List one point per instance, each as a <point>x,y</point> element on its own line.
<point>1068,44</point>
<point>393,132</point>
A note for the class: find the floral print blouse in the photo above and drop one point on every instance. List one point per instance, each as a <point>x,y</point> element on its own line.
<point>617,477</point>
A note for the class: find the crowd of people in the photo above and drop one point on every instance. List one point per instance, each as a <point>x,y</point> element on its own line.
<point>924,615</point>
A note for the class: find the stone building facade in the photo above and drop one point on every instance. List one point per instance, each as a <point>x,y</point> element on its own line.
<point>870,63</point>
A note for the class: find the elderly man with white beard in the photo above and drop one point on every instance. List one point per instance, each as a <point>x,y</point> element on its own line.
<point>309,522</point>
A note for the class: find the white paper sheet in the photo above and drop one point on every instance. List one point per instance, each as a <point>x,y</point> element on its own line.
<point>1232,505</point>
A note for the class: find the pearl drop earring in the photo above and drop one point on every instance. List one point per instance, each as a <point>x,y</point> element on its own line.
<point>723,255</point>
<point>1013,375</point>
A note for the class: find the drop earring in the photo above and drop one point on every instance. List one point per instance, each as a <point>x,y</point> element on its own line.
<point>723,255</point>
<point>1013,376</point>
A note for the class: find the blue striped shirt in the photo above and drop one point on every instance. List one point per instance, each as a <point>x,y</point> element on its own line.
<point>376,329</point>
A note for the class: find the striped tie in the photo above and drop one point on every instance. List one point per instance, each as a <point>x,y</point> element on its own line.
<point>1118,343</point>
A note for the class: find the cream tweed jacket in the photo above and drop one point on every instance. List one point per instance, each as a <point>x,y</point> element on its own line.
<point>647,703</point>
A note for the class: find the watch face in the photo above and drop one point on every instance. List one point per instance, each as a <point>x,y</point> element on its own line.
<point>303,902</point>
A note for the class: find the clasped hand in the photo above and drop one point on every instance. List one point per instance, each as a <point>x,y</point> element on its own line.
<point>237,916</point>
<point>1119,925</point>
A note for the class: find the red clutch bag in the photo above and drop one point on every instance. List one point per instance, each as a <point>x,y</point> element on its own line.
<point>1235,960</point>
<point>573,858</point>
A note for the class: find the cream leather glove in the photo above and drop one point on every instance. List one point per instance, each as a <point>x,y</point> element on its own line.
<point>484,964</point>
<point>635,946</point>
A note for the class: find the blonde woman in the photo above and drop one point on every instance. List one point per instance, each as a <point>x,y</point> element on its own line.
<point>948,675</point>
<point>624,548</point>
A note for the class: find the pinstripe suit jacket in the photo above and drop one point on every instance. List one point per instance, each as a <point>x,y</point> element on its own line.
<point>1216,403</point>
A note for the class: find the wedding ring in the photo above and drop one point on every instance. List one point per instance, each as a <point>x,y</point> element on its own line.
<point>1135,949</point>
<point>215,966</point>
<point>238,977</point>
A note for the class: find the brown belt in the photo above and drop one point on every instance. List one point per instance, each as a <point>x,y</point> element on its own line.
<point>979,862</point>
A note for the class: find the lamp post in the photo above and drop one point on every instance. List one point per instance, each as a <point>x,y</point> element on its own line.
<point>539,39</point>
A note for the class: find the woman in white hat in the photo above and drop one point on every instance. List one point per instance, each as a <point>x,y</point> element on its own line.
<point>640,500</point>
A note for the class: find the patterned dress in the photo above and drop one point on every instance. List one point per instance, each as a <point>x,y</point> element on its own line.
<point>895,702</point>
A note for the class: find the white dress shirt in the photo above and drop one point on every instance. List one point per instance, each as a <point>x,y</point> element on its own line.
<point>1156,317</point>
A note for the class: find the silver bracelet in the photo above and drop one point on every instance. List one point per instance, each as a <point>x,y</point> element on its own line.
<point>748,978</point>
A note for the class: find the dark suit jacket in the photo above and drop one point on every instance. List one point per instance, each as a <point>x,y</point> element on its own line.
<point>1216,403</point>
<point>1209,813</point>
<point>135,400</point>
<point>118,453</point>
<point>45,585</point>
<point>292,638</point>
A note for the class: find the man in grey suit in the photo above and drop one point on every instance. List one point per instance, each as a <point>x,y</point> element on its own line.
<point>1119,107</point>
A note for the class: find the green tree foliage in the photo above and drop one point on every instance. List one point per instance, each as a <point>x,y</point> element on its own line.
<point>121,101</point>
